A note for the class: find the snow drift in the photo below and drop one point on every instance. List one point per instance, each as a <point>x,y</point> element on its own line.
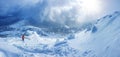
<point>98,39</point>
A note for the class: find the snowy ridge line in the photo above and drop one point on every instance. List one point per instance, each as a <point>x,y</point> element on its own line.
<point>97,40</point>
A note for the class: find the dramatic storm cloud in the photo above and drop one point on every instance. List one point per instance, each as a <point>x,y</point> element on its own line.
<point>54,13</point>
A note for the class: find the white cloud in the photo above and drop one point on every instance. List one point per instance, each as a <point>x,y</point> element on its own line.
<point>64,12</point>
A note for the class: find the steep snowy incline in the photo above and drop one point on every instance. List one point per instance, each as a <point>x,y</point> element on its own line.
<point>100,39</point>
<point>105,42</point>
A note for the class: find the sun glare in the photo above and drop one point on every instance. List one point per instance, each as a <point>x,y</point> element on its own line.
<point>91,6</point>
<point>89,10</point>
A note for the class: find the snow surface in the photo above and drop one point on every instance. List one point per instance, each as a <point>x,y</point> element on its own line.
<point>101,39</point>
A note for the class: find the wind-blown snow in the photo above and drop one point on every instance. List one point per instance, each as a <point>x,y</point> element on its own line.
<point>104,42</point>
<point>98,39</point>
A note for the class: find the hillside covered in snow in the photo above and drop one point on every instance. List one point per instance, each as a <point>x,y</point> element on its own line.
<point>97,39</point>
<point>59,28</point>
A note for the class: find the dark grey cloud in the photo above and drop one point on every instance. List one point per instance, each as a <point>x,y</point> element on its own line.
<point>50,13</point>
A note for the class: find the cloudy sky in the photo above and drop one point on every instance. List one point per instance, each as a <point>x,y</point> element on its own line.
<point>67,12</point>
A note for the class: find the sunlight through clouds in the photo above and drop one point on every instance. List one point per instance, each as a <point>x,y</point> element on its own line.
<point>91,6</point>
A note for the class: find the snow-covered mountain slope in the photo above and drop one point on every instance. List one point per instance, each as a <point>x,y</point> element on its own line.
<point>100,39</point>
<point>36,46</point>
<point>104,42</point>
